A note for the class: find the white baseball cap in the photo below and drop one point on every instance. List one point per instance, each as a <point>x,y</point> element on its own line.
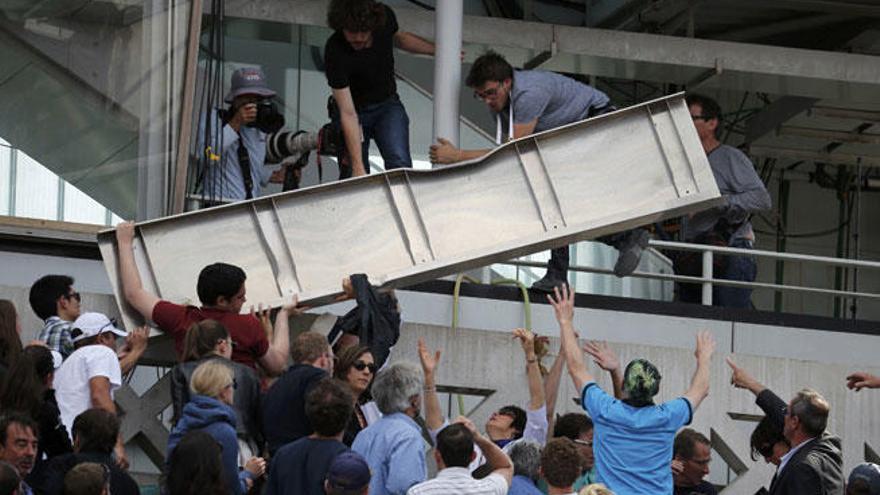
<point>92,324</point>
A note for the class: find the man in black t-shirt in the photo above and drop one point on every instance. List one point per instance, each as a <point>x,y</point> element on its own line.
<point>359,62</point>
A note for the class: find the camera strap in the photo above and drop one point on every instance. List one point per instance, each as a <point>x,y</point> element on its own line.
<point>244,161</point>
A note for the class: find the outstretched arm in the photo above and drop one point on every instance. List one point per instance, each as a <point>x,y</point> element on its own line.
<point>132,288</point>
<point>699,388</point>
<point>413,43</point>
<point>351,130</point>
<point>563,305</point>
<point>607,360</point>
<point>533,371</point>
<point>742,379</point>
<point>433,417</point>
<point>551,387</point>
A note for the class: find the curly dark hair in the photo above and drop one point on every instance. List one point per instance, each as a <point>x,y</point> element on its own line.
<point>355,15</point>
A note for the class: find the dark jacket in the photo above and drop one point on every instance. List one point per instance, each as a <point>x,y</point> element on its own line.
<point>773,407</point>
<point>246,400</point>
<point>54,439</point>
<point>218,420</point>
<point>375,319</point>
<point>284,411</point>
<point>815,469</point>
<point>50,479</point>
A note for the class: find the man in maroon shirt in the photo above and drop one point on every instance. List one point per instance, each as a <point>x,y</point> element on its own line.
<point>221,290</point>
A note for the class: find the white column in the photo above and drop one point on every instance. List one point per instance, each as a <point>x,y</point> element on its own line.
<point>447,69</point>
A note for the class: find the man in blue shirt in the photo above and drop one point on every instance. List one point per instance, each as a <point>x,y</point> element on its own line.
<point>525,102</point>
<point>393,446</point>
<point>633,435</point>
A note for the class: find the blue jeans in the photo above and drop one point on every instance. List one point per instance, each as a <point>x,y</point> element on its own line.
<point>742,268</point>
<point>388,124</point>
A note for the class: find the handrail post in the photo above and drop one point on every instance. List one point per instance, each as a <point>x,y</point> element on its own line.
<point>707,277</point>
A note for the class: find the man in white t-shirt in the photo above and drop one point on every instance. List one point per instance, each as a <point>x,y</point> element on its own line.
<point>454,453</point>
<point>90,376</point>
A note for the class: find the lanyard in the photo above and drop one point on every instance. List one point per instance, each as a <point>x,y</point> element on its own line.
<point>509,125</point>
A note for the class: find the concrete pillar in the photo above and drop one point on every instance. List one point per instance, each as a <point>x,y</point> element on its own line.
<point>447,69</point>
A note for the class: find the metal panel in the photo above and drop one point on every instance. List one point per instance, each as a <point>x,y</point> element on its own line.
<point>610,173</point>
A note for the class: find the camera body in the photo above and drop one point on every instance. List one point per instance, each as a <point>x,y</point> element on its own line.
<point>269,119</point>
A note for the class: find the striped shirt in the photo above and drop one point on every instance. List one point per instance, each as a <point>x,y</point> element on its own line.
<point>458,481</point>
<point>56,334</point>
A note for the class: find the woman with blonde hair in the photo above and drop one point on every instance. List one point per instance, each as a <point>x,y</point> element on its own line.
<point>212,388</point>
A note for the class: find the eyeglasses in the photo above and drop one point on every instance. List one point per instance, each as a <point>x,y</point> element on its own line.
<point>360,365</point>
<point>488,93</point>
<point>74,295</point>
<point>585,443</point>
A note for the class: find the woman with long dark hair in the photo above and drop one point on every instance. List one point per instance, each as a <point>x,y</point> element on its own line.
<point>10,335</point>
<point>195,467</point>
<point>28,390</point>
<point>355,367</point>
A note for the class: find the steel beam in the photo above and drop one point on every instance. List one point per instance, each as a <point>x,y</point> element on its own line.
<point>815,156</point>
<point>846,113</point>
<point>628,55</point>
<point>606,174</point>
<point>774,115</point>
<point>829,135</point>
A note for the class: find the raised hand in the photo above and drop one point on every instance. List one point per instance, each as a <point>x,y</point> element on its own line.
<point>527,340</point>
<point>740,377</point>
<point>563,304</point>
<point>705,346</point>
<point>429,360</point>
<point>602,355</point>
<point>861,379</point>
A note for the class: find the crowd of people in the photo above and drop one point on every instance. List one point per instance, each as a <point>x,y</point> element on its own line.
<point>339,421</point>
<point>254,412</point>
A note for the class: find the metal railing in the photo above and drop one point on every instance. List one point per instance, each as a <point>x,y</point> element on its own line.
<point>707,280</point>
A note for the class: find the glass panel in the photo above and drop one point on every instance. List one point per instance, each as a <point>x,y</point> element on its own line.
<point>79,207</point>
<point>93,93</point>
<point>36,189</point>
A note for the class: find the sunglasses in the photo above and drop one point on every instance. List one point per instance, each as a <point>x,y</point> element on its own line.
<point>360,365</point>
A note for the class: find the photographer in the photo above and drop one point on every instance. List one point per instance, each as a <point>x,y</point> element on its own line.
<point>238,171</point>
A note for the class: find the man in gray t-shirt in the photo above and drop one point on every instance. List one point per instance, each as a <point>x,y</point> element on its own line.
<point>524,102</point>
<point>743,192</point>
